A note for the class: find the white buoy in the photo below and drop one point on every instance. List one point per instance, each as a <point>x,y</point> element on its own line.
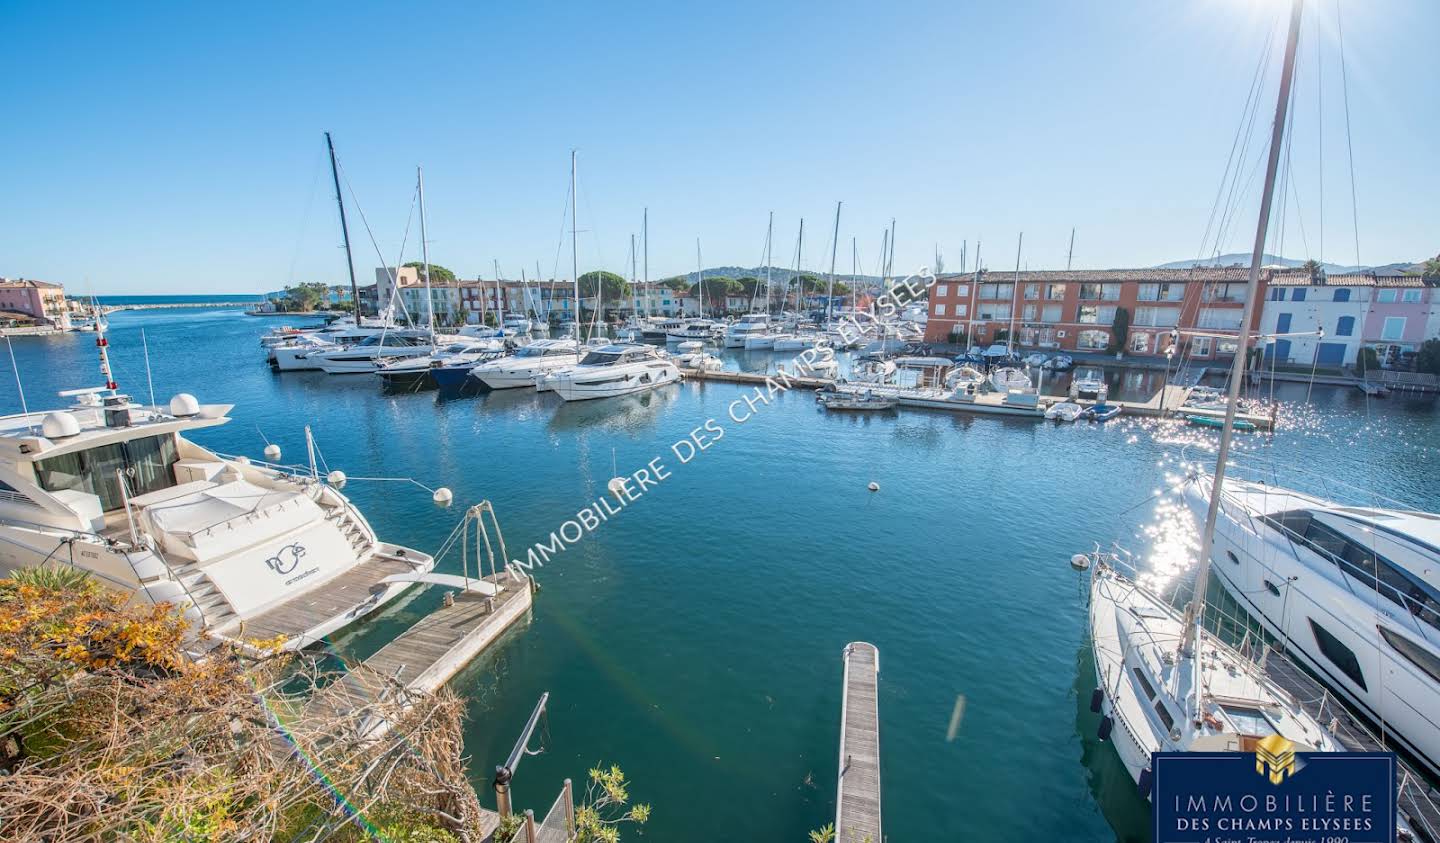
<point>336,478</point>
<point>442,496</point>
<point>616,486</point>
<point>1080,561</point>
<point>874,487</point>
<point>272,452</point>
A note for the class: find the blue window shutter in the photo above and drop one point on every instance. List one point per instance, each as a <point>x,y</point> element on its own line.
<point>1345,327</point>
<point>1299,294</point>
<point>1282,324</point>
<point>1342,294</point>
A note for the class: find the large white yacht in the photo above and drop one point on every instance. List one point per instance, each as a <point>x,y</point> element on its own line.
<point>526,365</point>
<point>694,329</point>
<point>248,551</point>
<point>371,353</point>
<point>1352,592</point>
<point>745,326</point>
<point>412,371</point>
<point>613,370</point>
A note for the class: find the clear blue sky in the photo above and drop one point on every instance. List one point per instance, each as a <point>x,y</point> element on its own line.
<point>153,148</point>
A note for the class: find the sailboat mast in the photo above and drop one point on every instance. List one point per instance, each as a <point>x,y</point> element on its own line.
<point>834,242</point>
<point>344,229</point>
<point>974,290</point>
<point>1014,296</point>
<point>699,281</point>
<point>890,264</point>
<point>645,239</point>
<point>425,254</point>
<point>854,269</point>
<point>574,250</point>
<point>1196,609</point>
<point>632,263</point>
<point>769,238</point>
<point>799,277</point>
<point>499,296</point>
<point>1070,253</point>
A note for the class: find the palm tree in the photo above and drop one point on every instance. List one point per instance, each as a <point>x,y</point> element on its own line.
<point>1313,268</point>
<point>1432,267</point>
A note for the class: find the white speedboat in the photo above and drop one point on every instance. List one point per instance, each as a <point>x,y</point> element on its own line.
<point>370,353</point>
<point>692,357</point>
<point>761,341</point>
<point>1035,360</point>
<point>1065,411</point>
<point>1159,691</point>
<point>1088,383</point>
<point>528,364</point>
<point>965,378</point>
<point>1059,362</point>
<point>1353,591</point>
<point>246,550</point>
<point>795,342</point>
<point>291,357</point>
<point>516,323</point>
<point>693,329</point>
<point>1006,379</point>
<point>290,353</point>
<point>862,401</point>
<point>412,371</point>
<point>746,326</point>
<point>613,370</point>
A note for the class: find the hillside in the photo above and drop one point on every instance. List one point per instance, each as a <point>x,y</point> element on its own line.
<point>1243,259</point>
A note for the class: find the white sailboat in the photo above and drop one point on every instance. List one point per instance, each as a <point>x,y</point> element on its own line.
<point>1165,683</point>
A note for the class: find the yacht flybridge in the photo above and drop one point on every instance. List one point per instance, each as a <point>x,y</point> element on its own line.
<point>248,551</point>
<point>1353,592</point>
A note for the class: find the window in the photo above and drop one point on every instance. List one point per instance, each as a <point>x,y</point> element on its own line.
<point>1385,297</point>
<point>1248,721</point>
<point>1093,339</point>
<point>1341,294</point>
<point>1032,291</point>
<point>1161,292</point>
<point>962,309</point>
<point>1299,294</point>
<point>1157,317</point>
<point>1001,292</point>
<point>1225,318</point>
<point>1226,292</point>
<point>1339,655</point>
<point>1345,326</point>
<point>1055,292</point>
<point>1099,292</point>
<point>1200,346</point>
<point>1088,314</point>
<point>1140,343</point>
<point>148,465</point>
<point>942,290</point>
<point>1165,717</point>
<point>1277,294</point>
<point>1051,313</point>
<point>962,290</point>
<point>1410,296</point>
<point>1394,328</point>
<point>1144,683</point>
<point>1028,314</point>
<point>1417,655</point>
<point>939,310</point>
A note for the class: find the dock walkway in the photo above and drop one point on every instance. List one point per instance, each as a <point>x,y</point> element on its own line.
<point>1419,803</point>
<point>857,803</point>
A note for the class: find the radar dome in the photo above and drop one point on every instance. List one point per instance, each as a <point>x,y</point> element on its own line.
<point>183,405</point>
<point>59,426</point>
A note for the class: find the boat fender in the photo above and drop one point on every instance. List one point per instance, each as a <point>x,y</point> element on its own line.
<point>1106,726</point>
<point>1144,783</point>
<point>874,487</point>
<point>1095,698</point>
<point>1214,722</point>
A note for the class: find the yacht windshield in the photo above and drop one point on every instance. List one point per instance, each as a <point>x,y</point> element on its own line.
<point>148,464</point>
<point>600,358</point>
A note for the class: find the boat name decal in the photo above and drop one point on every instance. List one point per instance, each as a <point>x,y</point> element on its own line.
<point>286,559</point>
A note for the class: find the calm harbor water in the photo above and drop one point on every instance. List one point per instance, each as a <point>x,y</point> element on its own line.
<point>695,639</point>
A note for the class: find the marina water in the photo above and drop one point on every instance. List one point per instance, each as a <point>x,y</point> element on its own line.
<point>695,638</point>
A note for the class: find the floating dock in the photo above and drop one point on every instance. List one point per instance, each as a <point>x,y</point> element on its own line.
<point>1417,801</point>
<point>758,378</point>
<point>857,802</point>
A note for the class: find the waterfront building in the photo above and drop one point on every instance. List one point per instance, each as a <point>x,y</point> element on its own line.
<point>1076,310</point>
<point>1299,303</point>
<point>405,276</point>
<point>25,302</point>
<point>1401,312</point>
<point>444,302</point>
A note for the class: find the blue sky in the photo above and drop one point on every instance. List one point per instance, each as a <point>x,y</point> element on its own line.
<point>153,148</point>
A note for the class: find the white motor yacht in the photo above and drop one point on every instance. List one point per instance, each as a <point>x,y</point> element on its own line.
<point>693,329</point>
<point>528,364</point>
<point>613,370</point>
<point>1353,592</point>
<point>517,323</point>
<point>795,342</point>
<point>760,341</point>
<point>1006,379</point>
<point>656,330</point>
<point>1088,383</point>
<point>1065,411</point>
<point>289,355</point>
<point>692,356</point>
<point>246,550</point>
<point>370,353</point>
<point>748,325</point>
<point>410,371</point>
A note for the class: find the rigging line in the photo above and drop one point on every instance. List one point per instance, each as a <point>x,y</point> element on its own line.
<point>1320,127</point>
<point>560,245</point>
<point>305,215</point>
<point>394,280</point>
<point>1230,160</point>
<point>1228,209</point>
<point>1349,147</point>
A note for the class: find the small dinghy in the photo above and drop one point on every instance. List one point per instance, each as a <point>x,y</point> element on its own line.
<point>1103,412</point>
<point>862,401</point>
<point>1212,421</point>
<point>1067,411</point>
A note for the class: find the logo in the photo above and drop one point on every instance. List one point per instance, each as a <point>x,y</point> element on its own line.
<point>1277,755</point>
<point>286,559</point>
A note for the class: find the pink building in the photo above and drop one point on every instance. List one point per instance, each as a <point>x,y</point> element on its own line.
<point>38,302</point>
<point>1401,310</point>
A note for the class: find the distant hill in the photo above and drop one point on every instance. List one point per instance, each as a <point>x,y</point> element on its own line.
<point>1243,259</point>
<point>777,274</point>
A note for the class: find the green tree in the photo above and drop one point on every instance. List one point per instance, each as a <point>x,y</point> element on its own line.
<point>598,818</point>
<point>1313,269</point>
<point>612,287</point>
<point>438,273</point>
<point>810,284</point>
<point>1427,359</point>
<point>305,297</point>
<point>1367,359</point>
<point>678,283</point>
<point>1432,267</point>
<point>749,284</point>
<point>717,288</point>
<point>1120,329</point>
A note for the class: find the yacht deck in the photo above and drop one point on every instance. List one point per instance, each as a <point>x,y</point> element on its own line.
<point>344,593</point>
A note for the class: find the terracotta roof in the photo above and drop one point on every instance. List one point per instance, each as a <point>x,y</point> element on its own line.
<point>1082,276</point>
<point>18,317</point>
<point>19,283</point>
